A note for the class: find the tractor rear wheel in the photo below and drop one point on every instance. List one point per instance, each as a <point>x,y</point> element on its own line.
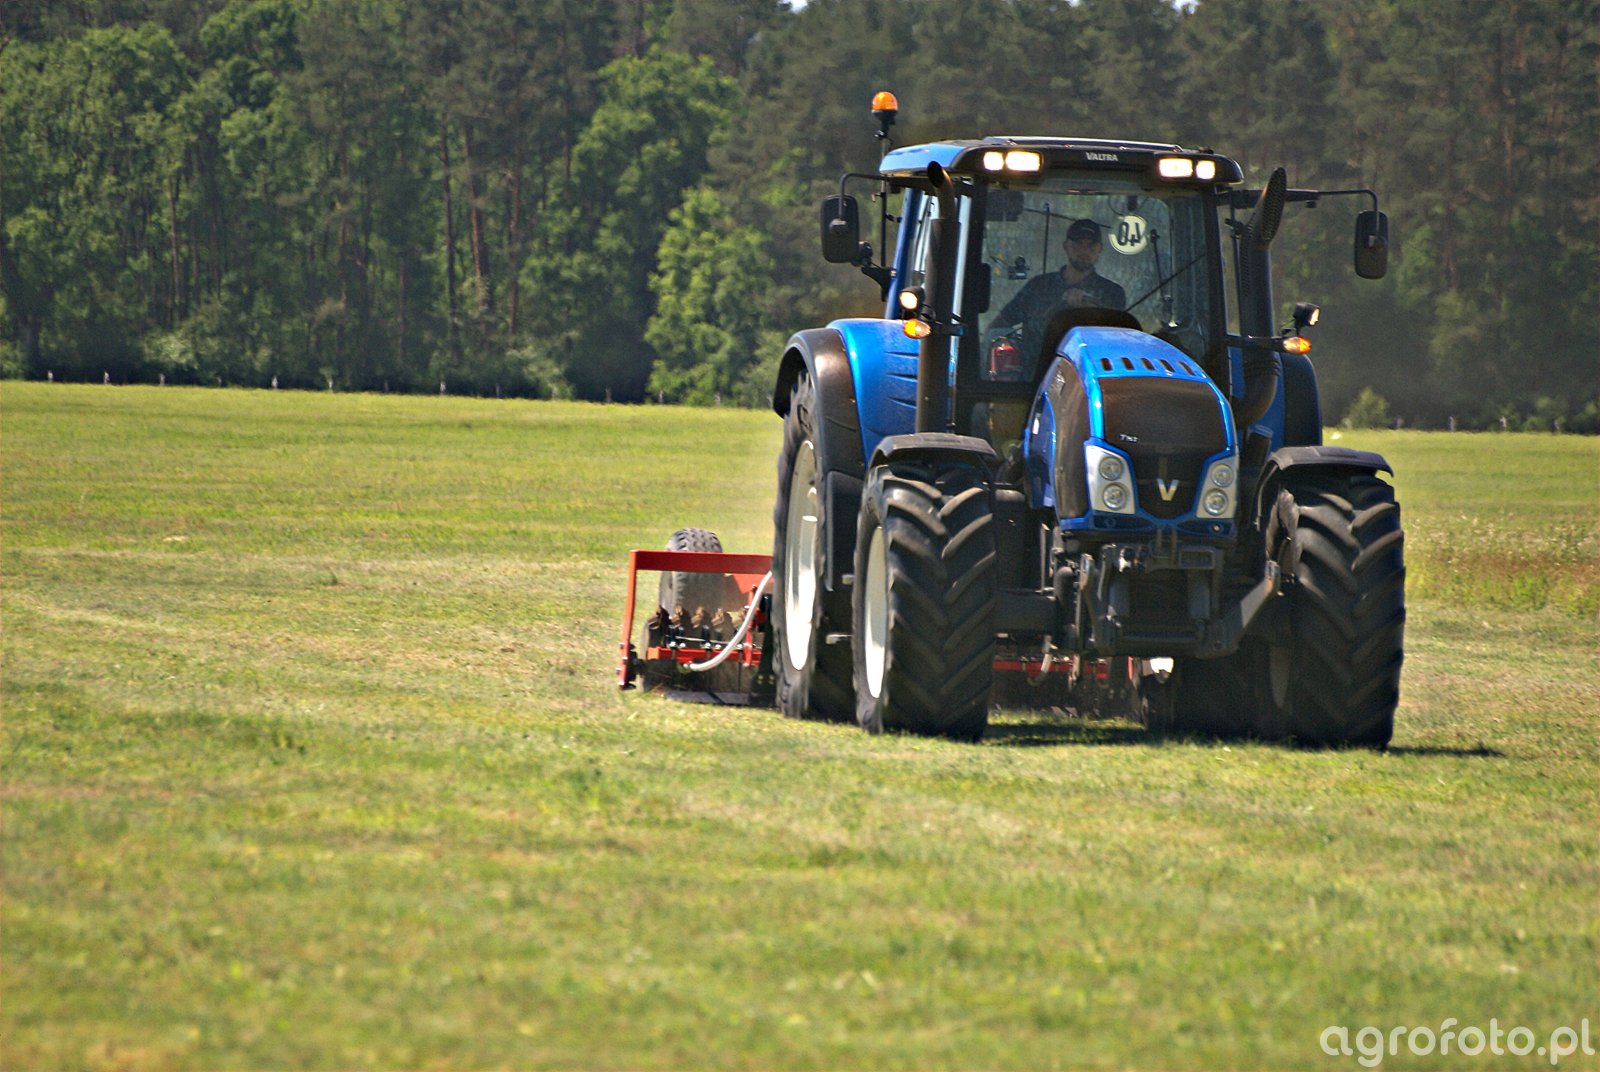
<point>1335,680</point>
<point>1215,696</point>
<point>924,600</point>
<point>813,676</point>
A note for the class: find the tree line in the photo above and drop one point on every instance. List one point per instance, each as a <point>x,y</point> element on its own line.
<point>618,199</point>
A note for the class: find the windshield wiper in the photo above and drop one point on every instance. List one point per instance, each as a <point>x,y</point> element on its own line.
<point>1176,272</point>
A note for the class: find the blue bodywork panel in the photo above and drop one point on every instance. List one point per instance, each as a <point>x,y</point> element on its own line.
<point>1098,354</point>
<point>883,362</point>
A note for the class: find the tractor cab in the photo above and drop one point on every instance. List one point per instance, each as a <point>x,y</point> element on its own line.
<point>1055,233</point>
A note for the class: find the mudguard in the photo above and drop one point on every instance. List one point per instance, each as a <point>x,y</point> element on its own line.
<point>943,445</point>
<point>1302,404</point>
<point>1294,418</point>
<point>1312,457</point>
<point>1326,457</point>
<point>821,353</point>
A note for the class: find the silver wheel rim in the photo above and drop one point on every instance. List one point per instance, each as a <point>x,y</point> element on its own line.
<point>875,609</point>
<point>800,558</point>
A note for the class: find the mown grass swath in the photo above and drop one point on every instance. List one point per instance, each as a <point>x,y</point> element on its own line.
<point>313,758</point>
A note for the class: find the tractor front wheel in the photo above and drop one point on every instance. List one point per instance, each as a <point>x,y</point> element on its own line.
<point>924,600</point>
<point>1335,680</point>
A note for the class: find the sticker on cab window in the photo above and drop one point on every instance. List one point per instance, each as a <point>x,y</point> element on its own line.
<point>1131,235</point>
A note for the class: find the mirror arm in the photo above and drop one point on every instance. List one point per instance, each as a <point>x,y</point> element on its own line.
<point>1315,194</point>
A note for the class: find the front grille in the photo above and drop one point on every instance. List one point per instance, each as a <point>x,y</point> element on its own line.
<point>1168,428</point>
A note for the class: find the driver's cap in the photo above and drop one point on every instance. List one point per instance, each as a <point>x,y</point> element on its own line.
<point>1083,229</point>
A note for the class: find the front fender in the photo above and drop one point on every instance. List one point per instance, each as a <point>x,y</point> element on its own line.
<point>1310,457</point>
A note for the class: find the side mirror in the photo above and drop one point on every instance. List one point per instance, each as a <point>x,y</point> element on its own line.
<point>1372,245</point>
<point>841,229</point>
<point>1269,209</point>
<point>982,288</point>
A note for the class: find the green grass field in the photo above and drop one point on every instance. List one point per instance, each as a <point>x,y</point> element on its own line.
<point>313,758</point>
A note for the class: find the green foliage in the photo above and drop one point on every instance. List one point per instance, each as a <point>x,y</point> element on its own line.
<point>707,329</point>
<point>402,194</point>
<point>1369,410</point>
<point>646,143</point>
<point>93,154</point>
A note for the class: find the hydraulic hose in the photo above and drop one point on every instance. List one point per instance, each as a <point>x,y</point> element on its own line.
<point>738,637</point>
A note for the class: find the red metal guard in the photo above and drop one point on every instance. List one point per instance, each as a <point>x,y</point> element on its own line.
<point>747,571</point>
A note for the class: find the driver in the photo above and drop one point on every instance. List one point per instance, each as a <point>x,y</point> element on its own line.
<point>1076,286</point>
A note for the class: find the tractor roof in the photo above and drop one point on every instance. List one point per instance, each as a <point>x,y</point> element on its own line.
<point>968,157</point>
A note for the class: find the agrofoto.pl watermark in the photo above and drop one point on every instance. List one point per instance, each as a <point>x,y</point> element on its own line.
<point>1370,1045</point>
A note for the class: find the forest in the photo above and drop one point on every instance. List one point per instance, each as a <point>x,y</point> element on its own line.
<point>617,200</point>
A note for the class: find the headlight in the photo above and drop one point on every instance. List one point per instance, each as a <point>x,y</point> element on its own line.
<point>1109,479</point>
<point>1220,486</point>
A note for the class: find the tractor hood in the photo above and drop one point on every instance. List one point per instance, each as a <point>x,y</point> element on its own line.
<point>1128,434</point>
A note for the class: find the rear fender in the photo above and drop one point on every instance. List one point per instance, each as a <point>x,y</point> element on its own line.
<point>1302,403</point>
<point>821,354</point>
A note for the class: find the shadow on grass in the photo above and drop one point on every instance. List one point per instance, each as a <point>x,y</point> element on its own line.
<point>1067,732</point>
<point>1058,732</point>
<point>1481,751</point>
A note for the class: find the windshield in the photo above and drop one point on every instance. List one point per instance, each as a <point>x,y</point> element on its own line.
<point>1091,242</point>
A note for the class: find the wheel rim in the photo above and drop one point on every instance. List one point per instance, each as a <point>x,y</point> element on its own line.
<point>875,611</point>
<point>800,558</point>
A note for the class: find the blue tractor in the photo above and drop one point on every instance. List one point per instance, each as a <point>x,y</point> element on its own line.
<point>1075,450</point>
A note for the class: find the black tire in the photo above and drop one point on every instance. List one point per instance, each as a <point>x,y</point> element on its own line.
<point>1216,697</point>
<point>1336,679</point>
<point>813,676</point>
<point>708,603</point>
<point>696,591</point>
<point>924,600</point>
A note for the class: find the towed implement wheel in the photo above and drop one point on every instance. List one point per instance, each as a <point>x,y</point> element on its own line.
<point>695,607</point>
<point>1335,679</point>
<point>924,600</point>
<point>698,593</point>
<point>813,676</point>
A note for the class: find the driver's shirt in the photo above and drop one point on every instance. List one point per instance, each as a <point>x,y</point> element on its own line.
<point>1044,294</point>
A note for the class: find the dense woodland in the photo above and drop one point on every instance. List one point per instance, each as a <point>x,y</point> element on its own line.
<point>618,198</point>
